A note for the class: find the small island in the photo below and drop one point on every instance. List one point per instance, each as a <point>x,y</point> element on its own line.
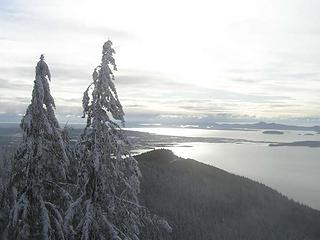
<point>273,132</point>
<point>313,144</point>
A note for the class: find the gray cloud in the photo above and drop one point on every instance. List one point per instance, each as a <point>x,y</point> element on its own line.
<point>13,85</point>
<point>23,72</point>
<point>152,79</point>
<point>52,23</point>
<point>71,74</point>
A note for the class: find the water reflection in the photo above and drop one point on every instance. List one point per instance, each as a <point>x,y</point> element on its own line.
<point>288,136</point>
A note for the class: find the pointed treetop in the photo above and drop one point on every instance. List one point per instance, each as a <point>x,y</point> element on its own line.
<point>107,45</point>
<point>42,68</point>
<point>107,52</point>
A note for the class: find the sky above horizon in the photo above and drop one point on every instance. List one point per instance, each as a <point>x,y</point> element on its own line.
<point>224,60</point>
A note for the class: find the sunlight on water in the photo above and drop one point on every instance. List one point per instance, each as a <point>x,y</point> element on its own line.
<point>288,136</point>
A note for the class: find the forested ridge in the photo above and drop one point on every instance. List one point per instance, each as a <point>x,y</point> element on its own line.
<point>203,202</point>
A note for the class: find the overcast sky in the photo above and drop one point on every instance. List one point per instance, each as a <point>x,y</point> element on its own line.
<point>231,59</point>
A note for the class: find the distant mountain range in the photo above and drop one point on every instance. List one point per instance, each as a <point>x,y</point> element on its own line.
<point>238,126</point>
<point>263,125</point>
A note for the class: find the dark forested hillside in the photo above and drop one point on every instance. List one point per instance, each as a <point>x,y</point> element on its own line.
<point>204,202</point>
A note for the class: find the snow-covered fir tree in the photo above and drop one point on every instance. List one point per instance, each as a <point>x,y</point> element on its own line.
<point>36,195</point>
<point>108,207</point>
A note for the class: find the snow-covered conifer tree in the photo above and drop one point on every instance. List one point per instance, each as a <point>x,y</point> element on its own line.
<point>35,193</point>
<point>108,207</point>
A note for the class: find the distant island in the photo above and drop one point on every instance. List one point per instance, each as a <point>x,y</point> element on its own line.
<point>313,144</point>
<point>273,132</point>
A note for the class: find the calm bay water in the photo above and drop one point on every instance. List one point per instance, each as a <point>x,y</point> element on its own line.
<point>293,171</point>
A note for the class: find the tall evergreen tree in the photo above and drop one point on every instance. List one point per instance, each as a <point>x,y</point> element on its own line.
<point>35,193</point>
<point>108,207</point>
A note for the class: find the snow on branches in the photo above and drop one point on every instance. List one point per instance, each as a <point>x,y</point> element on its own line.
<point>108,207</point>
<point>89,193</point>
<point>40,164</point>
